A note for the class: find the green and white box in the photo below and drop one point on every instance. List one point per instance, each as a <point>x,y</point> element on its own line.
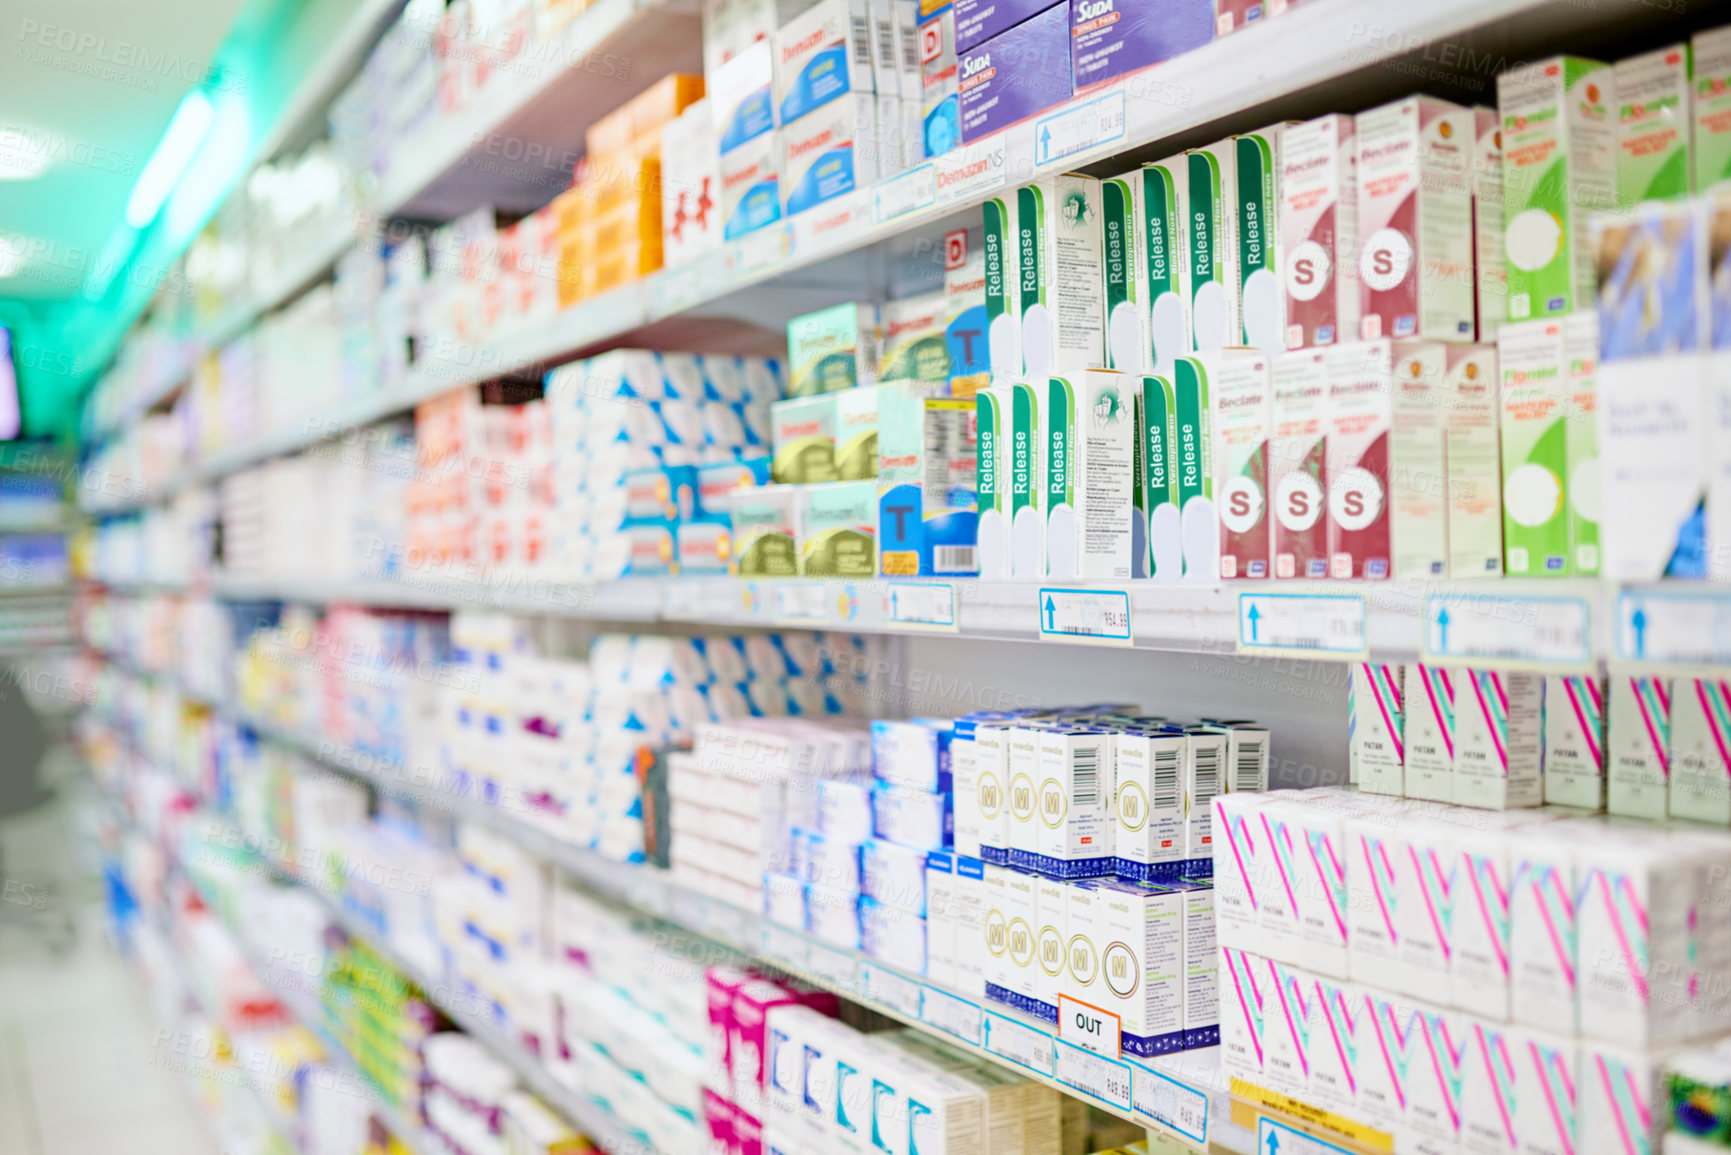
<point>766,531</point>
<point>831,349</point>
<point>1205,203</point>
<point>1490,272</point>
<point>1001,244</point>
<point>1090,458</point>
<point>839,532</point>
<point>803,432</point>
<point>1261,295</point>
<point>992,494</point>
<point>1198,528</point>
<point>1060,257</point>
<point>1123,232</point>
<point>1532,357</point>
<point>1023,469</point>
<point>1581,440</point>
<point>1165,241</point>
<point>1712,107</point>
<point>913,339</point>
<point>1653,124</point>
<point>1559,166</point>
<point>1156,481</point>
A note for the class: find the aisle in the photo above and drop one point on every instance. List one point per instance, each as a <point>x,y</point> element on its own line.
<point>77,1075</point>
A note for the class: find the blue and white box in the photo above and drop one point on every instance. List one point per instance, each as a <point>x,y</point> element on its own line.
<point>751,186</point>
<point>822,54</point>
<point>832,862</point>
<point>742,97</point>
<point>844,810</point>
<point>894,875</point>
<point>977,21</point>
<point>830,152</point>
<point>918,818</point>
<point>914,753</point>
<point>893,935</point>
<point>832,915</point>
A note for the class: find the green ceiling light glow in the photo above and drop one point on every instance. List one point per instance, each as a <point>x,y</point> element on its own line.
<point>185,133</point>
<point>211,174</point>
<point>114,256</point>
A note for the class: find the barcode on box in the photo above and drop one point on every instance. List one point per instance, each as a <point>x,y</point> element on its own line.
<point>862,42</point>
<point>1085,777</point>
<point>1166,780</point>
<point>954,559</point>
<point>1248,764</point>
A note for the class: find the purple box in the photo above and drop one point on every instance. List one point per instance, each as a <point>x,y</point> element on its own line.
<point>1015,74</point>
<point>1111,37</point>
<point>977,21</point>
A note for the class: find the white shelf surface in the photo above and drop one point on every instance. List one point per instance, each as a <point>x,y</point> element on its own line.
<point>1338,53</point>
<point>1184,1095</point>
<point>1562,625</point>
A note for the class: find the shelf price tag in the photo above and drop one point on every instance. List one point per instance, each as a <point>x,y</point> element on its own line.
<point>921,605</point>
<point>764,249</point>
<point>1098,617</point>
<point>1540,630</point>
<point>1108,1080</point>
<point>1170,1104</point>
<point>1019,1043</point>
<point>906,193</point>
<point>799,601</point>
<point>677,289</point>
<point>888,989</point>
<point>1064,134</point>
<point>958,1016</point>
<point>1684,629</point>
<point>682,599</point>
<point>835,967</point>
<point>784,946</point>
<point>1309,625</point>
<point>1272,1136</point>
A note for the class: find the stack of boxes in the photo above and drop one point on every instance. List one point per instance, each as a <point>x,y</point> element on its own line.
<point>1637,745</point>
<point>1498,982</point>
<point>650,450</point>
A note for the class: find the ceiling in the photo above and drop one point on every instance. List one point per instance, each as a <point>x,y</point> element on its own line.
<point>87,90</point>
<point>88,87</point>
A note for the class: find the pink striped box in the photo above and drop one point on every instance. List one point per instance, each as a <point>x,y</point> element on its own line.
<point>1701,751</point>
<point>1430,732</point>
<point>1638,749</point>
<point>1436,1107</point>
<point>1549,1094</point>
<point>1376,752</point>
<point>1499,740</point>
<point>1342,1045</point>
<point>1622,1110</point>
<point>1489,1091</point>
<point>1293,1021</point>
<point>1246,1000</point>
<point>1243,869</point>
<point>1544,922</point>
<point>1575,740</point>
<point>1388,1064</point>
<point>1321,870</point>
<point>1376,846</point>
<point>1485,883</point>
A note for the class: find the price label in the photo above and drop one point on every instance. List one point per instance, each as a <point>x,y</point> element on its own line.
<point>1272,1136</point>
<point>830,226</point>
<point>921,605</point>
<point>1685,629</point>
<point>682,600</point>
<point>765,249</point>
<point>902,195</point>
<point>1543,631</point>
<point>799,601</point>
<point>1085,1025</point>
<point>784,946</point>
<point>1101,617</point>
<point>888,989</point>
<point>1019,1043</point>
<point>971,170</point>
<point>677,289</point>
<point>1062,135</point>
<point>835,967</point>
<point>1170,1104</point>
<point>1311,625</point>
<point>947,1012</point>
<point>1108,1080</point>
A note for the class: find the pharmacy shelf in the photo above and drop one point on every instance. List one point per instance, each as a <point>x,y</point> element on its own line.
<point>1563,625</point>
<point>513,146</point>
<point>1319,56</point>
<point>1184,1095</point>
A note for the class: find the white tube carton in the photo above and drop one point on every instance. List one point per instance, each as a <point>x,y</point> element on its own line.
<point>1189,528</point>
<point>1473,450</point>
<point>1490,271</point>
<point>1546,1064</point>
<point>1479,962</point>
<point>1022,765</point>
<point>992,948</point>
<point>1435,1111</point>
<point>1051,939</point>
<point>968,919</point>
<point>1059,262</point>
<point>992,789</point>
<point>1543,927</point>
<point>1074,828</point>
<point>1376,724</point>
<point>1243,1015</point>
<point>1124,232</point>
<point>1022,910</point>
<point>690,186</point>
<point>1427,880</point>
<point>1415,258</point>
<point>1280,823</point>
<point>1244,868</point>
<point>1201,967</point>
<point>885,50</point>
<point>992,493</point>
<point>1001,243</point>
<point>1206,201</point>
<point>1022,473</point>
<point>1142,964</point>
<point>1429,736</point>
<point>1375,845</point>
<point>1084,931</point>
<point>1090,475</point>
<point>1165,238</point>
<point>1345,1044</point>
<point>1319,230</point>
<point>820,55</point>
<point>1297,474</point>
<point>1638,746</point>
<point>1147,805</point>
<point>1387,1083</point>
<point>1242,395</point>
<point>1575,740</point>
<point>1288,1018</point>
<point>829,152</point>
<point>1320,867</point>
<point>1559,166</point>
<point>1701,751</point>
<point>1499,740</point>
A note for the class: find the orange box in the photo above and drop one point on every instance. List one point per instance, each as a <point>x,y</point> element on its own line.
<point>662,101</point>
